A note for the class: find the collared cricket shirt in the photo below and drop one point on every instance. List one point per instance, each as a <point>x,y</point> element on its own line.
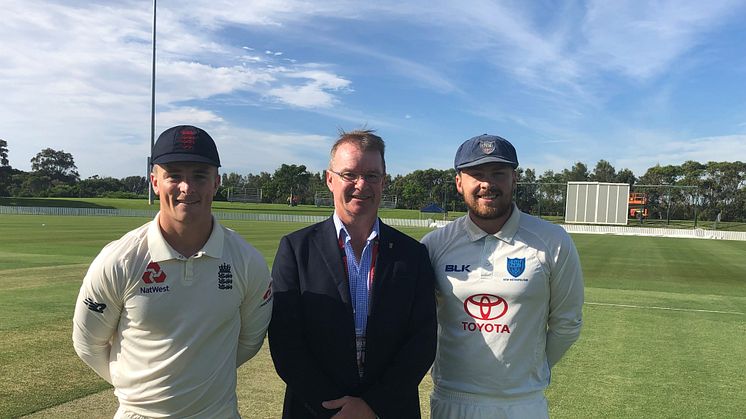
<point>509,304</point>
<point>169,331</point>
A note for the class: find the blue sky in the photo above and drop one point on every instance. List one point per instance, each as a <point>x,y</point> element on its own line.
<point>636,83</point>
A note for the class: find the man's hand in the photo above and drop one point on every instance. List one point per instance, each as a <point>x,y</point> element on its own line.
<point>352,408</point>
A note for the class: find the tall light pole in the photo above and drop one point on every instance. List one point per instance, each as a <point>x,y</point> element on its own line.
<point>152,115</point>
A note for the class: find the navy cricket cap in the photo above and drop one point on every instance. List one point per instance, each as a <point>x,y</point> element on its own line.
<point>185,143</point>
<point>485,149</point>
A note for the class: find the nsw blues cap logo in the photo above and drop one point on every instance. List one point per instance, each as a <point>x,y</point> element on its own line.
<point>516,266</point>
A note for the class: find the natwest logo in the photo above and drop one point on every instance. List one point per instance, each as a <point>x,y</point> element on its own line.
<point>485,306</point>
<point>153,273</point>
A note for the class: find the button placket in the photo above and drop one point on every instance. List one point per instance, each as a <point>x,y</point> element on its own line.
<point>188,271</point>
<point>488,249</point>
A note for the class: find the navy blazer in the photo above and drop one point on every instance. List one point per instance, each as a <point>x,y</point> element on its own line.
<point>312,332</point>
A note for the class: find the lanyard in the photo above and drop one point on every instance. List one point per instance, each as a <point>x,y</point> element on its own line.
<point>373,258</point>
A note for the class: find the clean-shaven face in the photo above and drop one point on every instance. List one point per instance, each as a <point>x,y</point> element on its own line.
<point>185,191</point>
<point>361,197</point>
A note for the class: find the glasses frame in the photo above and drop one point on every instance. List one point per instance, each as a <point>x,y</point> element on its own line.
<point>351,177</point>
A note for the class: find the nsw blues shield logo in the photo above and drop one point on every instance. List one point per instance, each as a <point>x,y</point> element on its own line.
<point>516,266</point>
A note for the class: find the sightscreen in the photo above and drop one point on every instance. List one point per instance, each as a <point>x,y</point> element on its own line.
<point>597,203</point>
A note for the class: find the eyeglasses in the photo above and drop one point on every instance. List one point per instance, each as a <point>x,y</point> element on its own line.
<point>373,178</point>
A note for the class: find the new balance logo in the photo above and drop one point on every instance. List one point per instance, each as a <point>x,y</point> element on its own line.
<point>458,268</point>
<point>94,306</point>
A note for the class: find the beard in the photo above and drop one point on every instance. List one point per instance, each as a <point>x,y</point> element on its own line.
<point>501,208</point>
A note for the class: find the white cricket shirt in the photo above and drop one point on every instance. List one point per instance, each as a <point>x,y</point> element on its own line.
<point>169,331</point>
<point>509,304</point>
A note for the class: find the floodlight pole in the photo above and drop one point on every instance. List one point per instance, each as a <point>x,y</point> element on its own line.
<point>152,116</point>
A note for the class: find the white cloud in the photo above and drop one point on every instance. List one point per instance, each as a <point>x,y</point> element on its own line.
<point>315,92</point>
<point>77,77</point>
<point>642,39</point>
<point>189,116</point>
<point>253,151</point>
<point>702,150</point>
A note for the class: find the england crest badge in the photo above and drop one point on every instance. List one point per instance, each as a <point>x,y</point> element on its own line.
<point>516,266</point>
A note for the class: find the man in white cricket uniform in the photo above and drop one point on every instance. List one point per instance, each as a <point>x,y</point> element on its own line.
<point>169,311</point>
<point>509,291</point>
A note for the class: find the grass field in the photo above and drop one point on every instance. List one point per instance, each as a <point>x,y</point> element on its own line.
<point>664,334</point>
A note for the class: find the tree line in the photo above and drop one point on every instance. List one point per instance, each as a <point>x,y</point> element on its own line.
<point>692,189</point>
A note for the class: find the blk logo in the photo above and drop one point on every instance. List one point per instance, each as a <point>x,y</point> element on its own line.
<point>485,306</point>
<point>153,273</point>
<point>458,268</point>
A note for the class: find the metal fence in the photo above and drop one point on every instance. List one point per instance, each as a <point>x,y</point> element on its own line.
<point>397,222</point>
<point>694,233</point>
<point>243,216</point>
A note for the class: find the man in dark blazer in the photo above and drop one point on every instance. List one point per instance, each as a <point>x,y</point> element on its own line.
<point>353,328</point>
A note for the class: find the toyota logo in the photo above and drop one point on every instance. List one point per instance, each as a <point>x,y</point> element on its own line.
<point>485,306</point>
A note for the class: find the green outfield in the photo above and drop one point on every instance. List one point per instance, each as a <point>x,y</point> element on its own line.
<point>664,334</point>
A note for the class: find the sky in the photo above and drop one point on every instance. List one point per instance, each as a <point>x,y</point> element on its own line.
<point>635,83</point>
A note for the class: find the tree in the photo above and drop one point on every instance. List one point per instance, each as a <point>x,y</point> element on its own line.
<point>5,169</point>
<point>3,153</point>
<point>316,183</point>
<point>232,180</point>
<point>57,165</point>
<point>32,184</point>
<point>96,186</point>
<point>578,173</point>
<point>422,187</point>
<point>291,180</point>
<point>720,184</point>
<point>527,193</point>
<point>261,181</point>
<point>603,172</point>
<point>552,193</point>
<point>665,200</point>
<point>626,176</point>
<point>137,185</point>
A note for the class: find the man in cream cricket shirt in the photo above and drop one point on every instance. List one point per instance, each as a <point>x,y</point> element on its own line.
<point>509,291</point>
<point>169,311</point>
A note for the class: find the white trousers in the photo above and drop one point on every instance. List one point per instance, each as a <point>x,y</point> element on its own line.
<point>451,405</point>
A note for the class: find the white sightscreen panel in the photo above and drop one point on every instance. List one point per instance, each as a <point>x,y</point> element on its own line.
<point>571,213</point>
<point>602,205</point>
<point>596,203</point>
<point>623,204</point>
<point>591,204</point>
<point>580,204</point>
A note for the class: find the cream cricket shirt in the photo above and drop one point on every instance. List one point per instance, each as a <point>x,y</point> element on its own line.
<point>169,331</point>
<point>509,305</point>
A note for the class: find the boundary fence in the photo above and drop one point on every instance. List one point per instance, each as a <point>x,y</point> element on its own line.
<point>243,216</point>
<point>696,233</point>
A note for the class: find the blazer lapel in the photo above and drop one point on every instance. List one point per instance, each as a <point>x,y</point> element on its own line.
<point>327,244</point>
<point>386,249</point>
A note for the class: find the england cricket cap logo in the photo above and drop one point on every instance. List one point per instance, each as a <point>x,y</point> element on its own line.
<point>487,147</point>
<point>185,143</point>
